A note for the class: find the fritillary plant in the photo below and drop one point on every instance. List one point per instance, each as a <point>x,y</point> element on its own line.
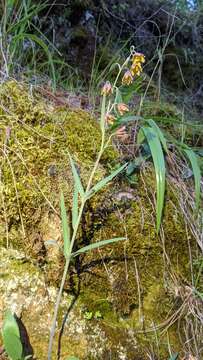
<point>115,115</point>
<point>110,106</point>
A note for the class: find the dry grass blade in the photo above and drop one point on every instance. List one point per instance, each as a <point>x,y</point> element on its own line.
<point>197,174</point>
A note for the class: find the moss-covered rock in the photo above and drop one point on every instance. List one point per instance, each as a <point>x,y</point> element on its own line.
<point>131,289</point>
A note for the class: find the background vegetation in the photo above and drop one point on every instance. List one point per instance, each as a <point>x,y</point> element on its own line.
<point>65,53</point>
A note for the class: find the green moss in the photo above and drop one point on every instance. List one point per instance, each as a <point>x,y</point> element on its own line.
<point>143,263</point>
<point>39,141</point>
<point>135,290</point>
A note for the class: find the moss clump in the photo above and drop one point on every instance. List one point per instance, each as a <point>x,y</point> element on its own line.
<point>35,141</point>
<point>138,279</point>
<point>134,291</point>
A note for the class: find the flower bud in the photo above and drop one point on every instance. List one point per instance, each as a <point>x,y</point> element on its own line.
<point>122,108</point>
<point>110,119</point>
<point>136,69</point>
<point>127,78</point>
<point>107,89</point>
<point>138,58</point>
<point>121,133</point>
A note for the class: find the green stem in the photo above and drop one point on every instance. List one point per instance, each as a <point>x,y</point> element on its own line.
<point>120,70</point>
<point>96,163</point>
<point>65,271</point>
<point>58,300</point>
<point>53,327</point>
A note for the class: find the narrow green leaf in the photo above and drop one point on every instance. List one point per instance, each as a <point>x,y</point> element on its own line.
<point>198,294</point>
<point>174,357</point>
<point>196,172</point>
<point>160,134</point>
<point>140,136</point>
<point>10,322</point>
<point>11,337</point>
<point>160,171</point>
<point>65,227</point>
<point>96,245</point>
<point>105,181</point>
<point>9,7</point>
<point>72,358</point>
<point>13,345</point>
<point>42,44</point>
<point>129,118</point>
<point>10,3</point>
<point>76,177</point>
<point>75,206</point>
<point>124,120</point>
<point>103,113</point>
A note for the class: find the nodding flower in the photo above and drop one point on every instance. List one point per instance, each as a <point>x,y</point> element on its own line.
<point>136,69</point>
<point>122,108</point>
<point>107,89</point>
<point>137,60</point>
<point>127,78</point>
<point>110,119</point>
<point>121,133</point>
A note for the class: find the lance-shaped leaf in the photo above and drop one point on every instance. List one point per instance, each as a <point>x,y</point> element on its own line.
<point>76,177</point>
<point>129,118</point>
<point>65,227</point>
<point>75,206</point>
<point>105,181</point>
<point>97,245</point>
<point>160,134</point>
<point>160,170</point>
<point>11,337</point>
<point>196,172</point>
<point>124,120</point>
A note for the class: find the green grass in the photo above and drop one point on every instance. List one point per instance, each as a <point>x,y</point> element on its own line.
<point>22,44</point>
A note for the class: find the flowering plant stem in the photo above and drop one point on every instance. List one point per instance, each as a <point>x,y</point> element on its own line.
<point>76,227</point>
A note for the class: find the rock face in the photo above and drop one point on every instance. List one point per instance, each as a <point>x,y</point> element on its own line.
<point>122,297</point>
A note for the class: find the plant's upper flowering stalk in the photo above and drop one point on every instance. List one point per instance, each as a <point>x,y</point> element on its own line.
<point>127,78</point>
<point>107,89</point>
<point>122,108</point>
